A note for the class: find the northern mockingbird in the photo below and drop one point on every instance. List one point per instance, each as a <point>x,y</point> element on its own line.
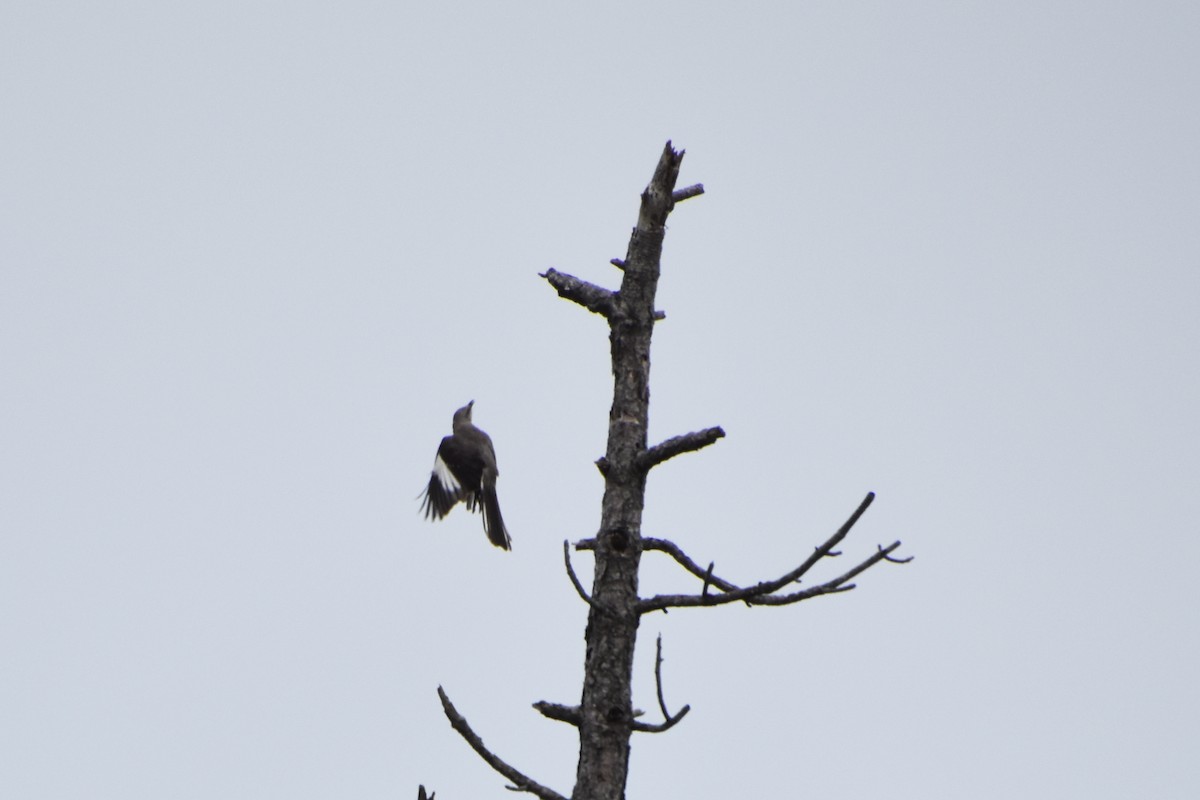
<point>465,469</point>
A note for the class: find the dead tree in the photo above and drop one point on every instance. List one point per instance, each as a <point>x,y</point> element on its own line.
<point>605,716</point>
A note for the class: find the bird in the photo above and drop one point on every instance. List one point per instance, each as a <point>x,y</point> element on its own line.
<point>465,469</point>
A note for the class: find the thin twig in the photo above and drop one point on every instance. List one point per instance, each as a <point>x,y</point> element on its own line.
<point>881,555</point>
<point>521,782</point>
<point>662,704</point>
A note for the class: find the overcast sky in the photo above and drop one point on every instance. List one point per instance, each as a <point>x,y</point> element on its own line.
<point>253,256</point>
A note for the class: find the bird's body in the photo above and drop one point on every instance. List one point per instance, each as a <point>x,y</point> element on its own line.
<point>465,469</point>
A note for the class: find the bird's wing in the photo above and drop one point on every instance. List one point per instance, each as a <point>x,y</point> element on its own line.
<point>445,488</point>
<point>462,461</point>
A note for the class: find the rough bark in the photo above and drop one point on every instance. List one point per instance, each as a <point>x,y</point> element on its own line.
<point>606,709</point>
<point>605,717</point>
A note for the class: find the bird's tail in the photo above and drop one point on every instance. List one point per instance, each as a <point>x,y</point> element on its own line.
<point>493,523</point>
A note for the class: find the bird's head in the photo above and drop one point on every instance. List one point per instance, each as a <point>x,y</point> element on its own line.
<point>464,413</point>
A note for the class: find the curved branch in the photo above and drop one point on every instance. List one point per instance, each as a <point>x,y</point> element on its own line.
<point>669,720</point>
<point>575,579</point>
<point>521,782</point>
<point>763,593</point>
<point>673,550</point>
<point>646,727</point>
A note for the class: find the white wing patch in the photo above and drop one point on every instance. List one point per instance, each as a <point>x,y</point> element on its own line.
<point>446,477</point>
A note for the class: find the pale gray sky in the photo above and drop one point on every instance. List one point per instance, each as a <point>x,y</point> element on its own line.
<point>255,254</point>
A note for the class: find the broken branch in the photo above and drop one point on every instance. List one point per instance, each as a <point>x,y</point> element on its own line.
<point>678,445</point>
<point>679,195</point>
<point>592,297</point>
<point>557,711</point>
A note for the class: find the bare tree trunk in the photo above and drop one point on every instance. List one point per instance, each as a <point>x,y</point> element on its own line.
<point>606,716</point>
